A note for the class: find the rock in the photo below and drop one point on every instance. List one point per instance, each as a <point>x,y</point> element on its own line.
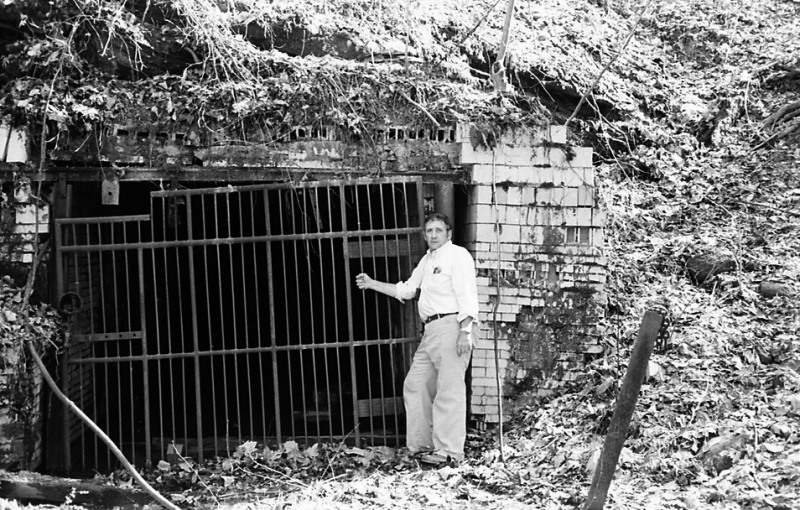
<point>794,402</point>
<point>591,464</point>
<point>770,289</point>
<point>654,371</point>
<point>703,267</point>
<point>691,502</point>
<point>722,452</point>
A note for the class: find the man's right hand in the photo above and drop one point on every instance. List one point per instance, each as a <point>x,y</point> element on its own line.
<point>363,281</point>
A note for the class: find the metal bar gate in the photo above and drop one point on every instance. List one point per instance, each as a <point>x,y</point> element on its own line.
<point>231,314</point>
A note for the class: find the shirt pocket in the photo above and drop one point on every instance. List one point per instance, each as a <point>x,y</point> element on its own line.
<point>439,281</point>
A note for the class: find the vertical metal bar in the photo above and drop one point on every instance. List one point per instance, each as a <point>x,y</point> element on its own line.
<point>195,334</point>
<point>233,320</point>
<point>77,264</point>
<point>245,302</point>
<point>402,333</point>
<point>378,303</point>
<point>323,295</point>
<point>157,316</point>
<point>256,280</point>
<point>349,292</point>
<point>182,345</point>
<point>167,288</point>
<point>94,330</point>
<point>389,333</point>
<point>170,206</point>
<point>286,314</point>
<point>272,326</point>
<point>126,285</point>
<point>206,249</point>
<point>336,310</point>
<point>60,279</point>
<point>96,450</point>
<point>115,326</point>
<point>364,297</point>
<point>145,361</point>
<point>303,393</point>
<point>114,287</point>
<point>310,293</point>
<point>222,328</point>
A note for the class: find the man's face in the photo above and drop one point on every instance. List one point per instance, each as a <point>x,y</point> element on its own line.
<point>436,234</point>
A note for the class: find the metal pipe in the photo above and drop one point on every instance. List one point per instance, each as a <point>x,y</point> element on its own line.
<point>444,199</point>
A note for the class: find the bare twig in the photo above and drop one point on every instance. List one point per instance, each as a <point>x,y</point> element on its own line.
<point>338,451</point>
<point>768,206</point>
<point>610,63</point>
<point>472,31</point>
<point>197,474</point>
<point>298,483</point>
<point>780,134</point>
<point>422,108</point>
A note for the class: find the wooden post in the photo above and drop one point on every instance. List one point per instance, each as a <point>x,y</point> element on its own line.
<point>626,402</point>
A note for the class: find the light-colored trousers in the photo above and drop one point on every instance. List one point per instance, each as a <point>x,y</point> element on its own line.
<point>435,393</point>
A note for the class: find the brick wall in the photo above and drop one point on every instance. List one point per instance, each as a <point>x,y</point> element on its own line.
<point>535,229</point>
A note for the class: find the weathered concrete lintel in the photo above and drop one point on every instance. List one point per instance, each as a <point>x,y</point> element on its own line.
<point>212,174</point>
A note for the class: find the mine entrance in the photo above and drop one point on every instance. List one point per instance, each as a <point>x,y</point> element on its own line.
<point>231,314</point>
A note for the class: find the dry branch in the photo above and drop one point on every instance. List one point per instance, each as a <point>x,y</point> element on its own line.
<point>790,110</point>
<point>97,430</point>
<point>795,126</point>
<point>421,108</point>
<point>768,206</point>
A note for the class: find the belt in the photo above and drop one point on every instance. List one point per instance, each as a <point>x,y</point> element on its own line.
<point>438,316</point>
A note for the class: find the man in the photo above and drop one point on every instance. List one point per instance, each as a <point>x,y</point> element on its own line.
<point>434,391</point>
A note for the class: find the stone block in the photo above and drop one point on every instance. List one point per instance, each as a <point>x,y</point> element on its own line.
<point>510,233</point>
<point>5,132</point>
<point>570,197</point>
<point>570,176</point>
<point>599,219</point>
<point>588,176</point>
<point>585,196</point>
<point>480,195</point>
<point>523,156</point>
<point>489,174</point>
<point>477,372</point>
<point>524,136</point>
<point>582,158</point>
<point>17,151</point>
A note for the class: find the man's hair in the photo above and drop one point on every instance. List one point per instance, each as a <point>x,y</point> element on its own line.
<point>439,217</point>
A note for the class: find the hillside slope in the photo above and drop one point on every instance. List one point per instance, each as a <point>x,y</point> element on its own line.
<point>704,211</point>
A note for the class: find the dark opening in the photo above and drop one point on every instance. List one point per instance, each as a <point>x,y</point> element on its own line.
<point>288,349</point>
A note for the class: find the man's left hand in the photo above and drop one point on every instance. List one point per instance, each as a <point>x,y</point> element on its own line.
<point>464,343</point>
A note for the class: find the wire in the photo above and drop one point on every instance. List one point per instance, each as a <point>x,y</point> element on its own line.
<point>494,315</point>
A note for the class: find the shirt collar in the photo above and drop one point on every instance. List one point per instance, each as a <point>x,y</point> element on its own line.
<point>438,250</point>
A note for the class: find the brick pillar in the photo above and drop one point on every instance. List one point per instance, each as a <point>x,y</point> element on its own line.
<point>533,221</point>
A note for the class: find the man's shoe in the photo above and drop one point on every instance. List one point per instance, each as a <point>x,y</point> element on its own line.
<point>437,460</point>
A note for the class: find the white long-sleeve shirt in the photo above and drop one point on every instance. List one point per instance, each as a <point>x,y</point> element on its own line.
<point>446,277</point>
